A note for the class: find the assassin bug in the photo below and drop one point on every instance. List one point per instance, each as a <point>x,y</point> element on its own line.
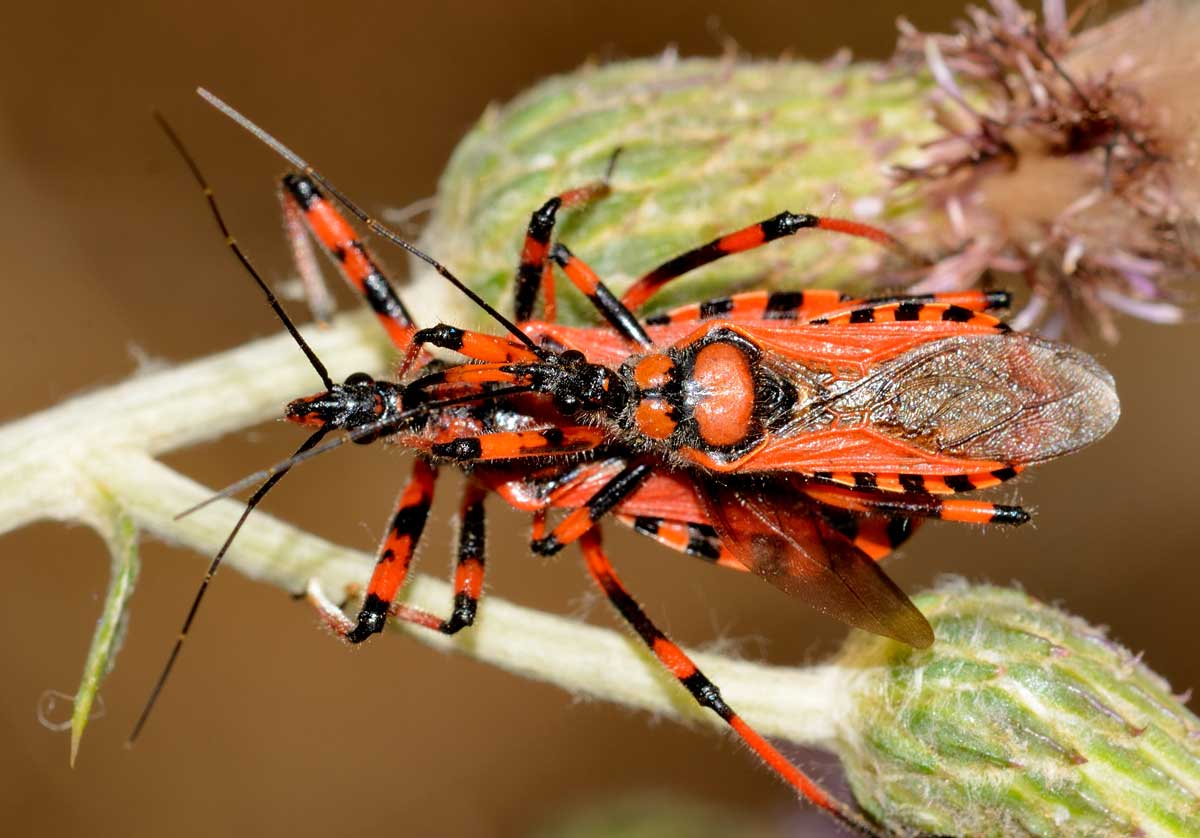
<point>798,435</point>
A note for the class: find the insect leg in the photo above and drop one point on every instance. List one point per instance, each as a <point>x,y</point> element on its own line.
<point>508,445</point>
<point>917,505</point>
<point>396,553</point>
<point>810,303</point>
<point>688,537</point>
<point>468,579</point>
<point>596,507</point>
<point>777,227</point>
<point>972,300</point>
<point>877,535</point>
<point>614,311</point>
<point>921,484</point>
<point>534,272</point>
<point>706,694</point>
<point>906,310</point>
<point>477,345</point>
<point>758,305</point>
<point>344,246</point>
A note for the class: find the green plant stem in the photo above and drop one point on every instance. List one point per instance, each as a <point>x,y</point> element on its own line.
<point>82,459</point>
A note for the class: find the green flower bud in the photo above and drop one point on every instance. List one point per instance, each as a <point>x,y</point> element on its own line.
<point>1020,720</point>
<point>707,146</point>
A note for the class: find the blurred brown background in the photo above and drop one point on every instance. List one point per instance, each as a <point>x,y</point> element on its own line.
<point>271,726</point>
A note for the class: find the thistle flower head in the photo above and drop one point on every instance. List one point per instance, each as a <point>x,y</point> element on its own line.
<point>1070,160</point>
<point>1020,720</point>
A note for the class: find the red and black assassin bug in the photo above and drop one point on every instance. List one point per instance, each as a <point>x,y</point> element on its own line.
<point>797,435</point>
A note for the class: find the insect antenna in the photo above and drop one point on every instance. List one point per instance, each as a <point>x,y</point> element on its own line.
<point>258,495</point>
<point>376,227</point>
<point>237,250</point>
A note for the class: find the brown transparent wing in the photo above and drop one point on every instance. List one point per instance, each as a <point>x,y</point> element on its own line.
<point>778,536</point>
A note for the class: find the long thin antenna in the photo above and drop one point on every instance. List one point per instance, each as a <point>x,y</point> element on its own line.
<point>375,226</point>
<point>237,250</point>
<point>212,570</point>
<point>380,428</point>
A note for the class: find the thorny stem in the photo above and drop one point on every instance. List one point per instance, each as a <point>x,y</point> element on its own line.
<point>95,453</point>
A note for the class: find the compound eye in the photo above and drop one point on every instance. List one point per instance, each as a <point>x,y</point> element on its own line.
<point>356,379</point>
<point>572,356</point>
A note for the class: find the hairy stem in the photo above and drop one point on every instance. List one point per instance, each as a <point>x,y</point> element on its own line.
<point>93,454</point>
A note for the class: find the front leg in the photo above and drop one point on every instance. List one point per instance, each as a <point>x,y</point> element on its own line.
<point>468,581</point>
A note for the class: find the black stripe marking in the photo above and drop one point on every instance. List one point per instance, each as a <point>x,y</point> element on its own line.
<point>382,299</point>
<point>616,490</point>
<point>959,482</point>
<point>659,320</point>
<point>646,525</point>
<point>462,616</point>
<point>957,314</point>
<point>466,448</point>
<point>303,190</point>
<point>1006,473</point>
<point>862,315</point>
<point>471,536</point>
<point>541,223</point>
<point>785,224</point>
<point>701,545</point>
<point>547,546</point>
<point>715,308</point>
<point>842,520</point>
<point>1013,515</point>
<point>371,619</point>
<point>909,311</point>
<point>410,520</point>
<point>783,305</point>
<point>447,337</point>
<point>706,694</point>
<point>912,483</point>
<point>997,299</point>
<point>864,480</point>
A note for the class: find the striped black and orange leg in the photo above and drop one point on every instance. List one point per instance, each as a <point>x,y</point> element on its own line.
<point>777,227</point>
<point>534,273</point>
<point>396,553</point>
<point>346,249</point>
<point>909,310</point>
<point>468,571</point>
<point>916,505</point>
<point>757,305</point>
<point>687,537</point>
<point>876,535</point>
<point>978,300</point>
<point>468,581</point>
<point>585,518</point>
<point>477,345</point>
<point>511,445</point>
<point>590,285</point>
<point>704,691</point>
<point>814,302</point>
<point>923,484</point>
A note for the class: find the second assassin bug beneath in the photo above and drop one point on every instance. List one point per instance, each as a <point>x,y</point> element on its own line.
<point>797,435</point>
